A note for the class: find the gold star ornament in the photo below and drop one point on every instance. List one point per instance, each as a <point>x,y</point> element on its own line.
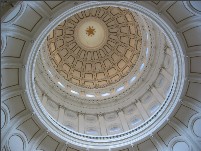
<point>90,31</point>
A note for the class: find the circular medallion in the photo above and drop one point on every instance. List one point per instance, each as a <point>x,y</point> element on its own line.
<point>91,34</point>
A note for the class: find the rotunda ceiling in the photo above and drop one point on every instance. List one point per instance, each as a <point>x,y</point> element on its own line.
<point>96,47</point>
<point>105,72</point>
<point>125,42</point>
<point>135,110</point>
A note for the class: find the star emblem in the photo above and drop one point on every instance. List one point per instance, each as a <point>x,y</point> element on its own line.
<point>90,31</point>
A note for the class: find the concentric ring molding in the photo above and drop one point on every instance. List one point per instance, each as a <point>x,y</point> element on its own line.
<point>119,140</point>
<point>122,99</point>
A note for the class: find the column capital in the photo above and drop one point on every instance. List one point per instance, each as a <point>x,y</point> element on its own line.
<point>61,106</point>
<point>136,101</point>
<point>80,113</point>
<point>101,114</point>
<point>150,87</point>
<point>119,110</point>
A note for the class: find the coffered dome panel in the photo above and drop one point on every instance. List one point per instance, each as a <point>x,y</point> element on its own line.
<point>96,47</point>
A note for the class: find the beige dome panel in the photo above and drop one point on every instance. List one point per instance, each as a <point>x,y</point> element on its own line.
<point>97,47</point>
